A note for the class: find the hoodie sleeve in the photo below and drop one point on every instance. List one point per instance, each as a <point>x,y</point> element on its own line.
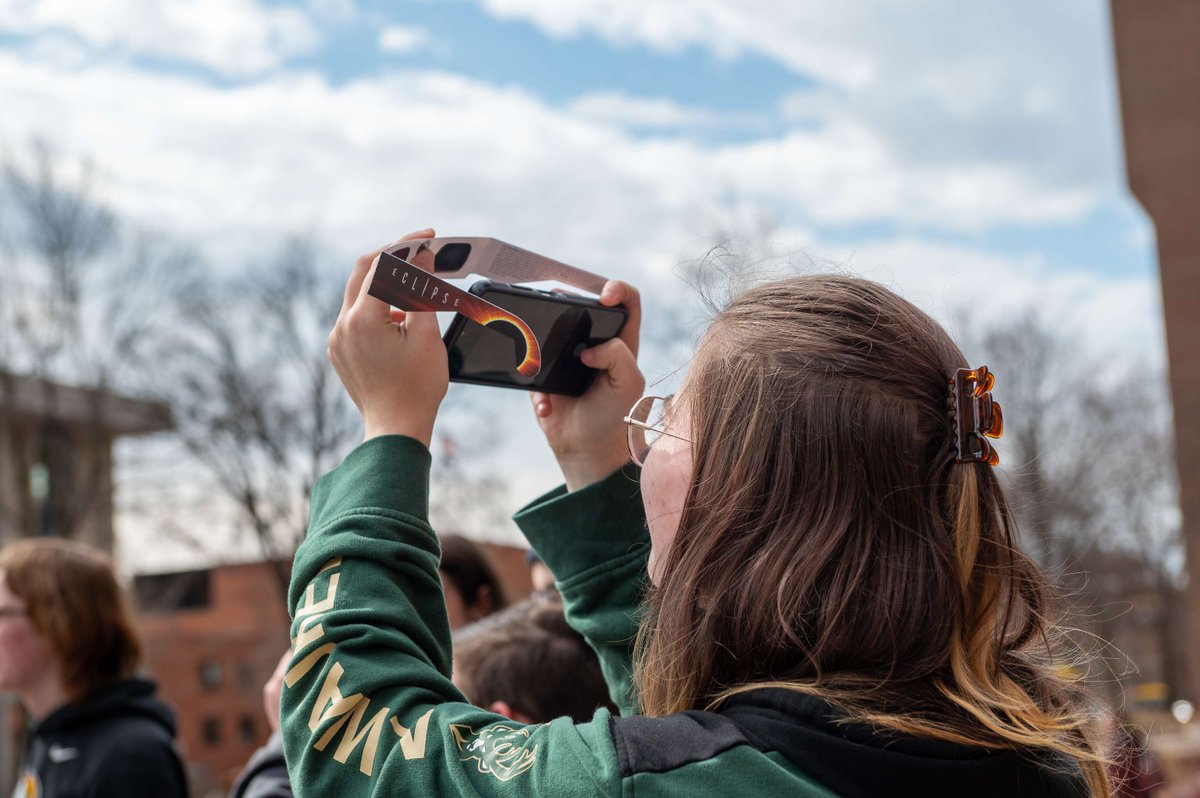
<point>368,708</point>
<point>594,541</point>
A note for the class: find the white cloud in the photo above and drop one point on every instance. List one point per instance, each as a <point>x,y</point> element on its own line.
<point>1119,319</point>
<point>917,132</point>
<point>624,111</point>
<point>360,163</point>
<point>855,157</point>
<point>231,37</point>
<point>1024,83</point>
<point>403,39</point>
<point>848,172</point>
<point>364,161</point>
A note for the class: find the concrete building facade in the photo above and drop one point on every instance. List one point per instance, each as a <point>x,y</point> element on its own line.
<point>1158,74</point>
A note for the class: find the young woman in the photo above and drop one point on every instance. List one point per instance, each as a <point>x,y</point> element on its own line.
<point>68,650</point>
<point>836,602</point>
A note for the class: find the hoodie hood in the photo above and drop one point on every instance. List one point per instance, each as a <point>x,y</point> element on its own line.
<point>858,760</point>
<point>851,760</point>
<point>116,740</point>
<point>132,697</point>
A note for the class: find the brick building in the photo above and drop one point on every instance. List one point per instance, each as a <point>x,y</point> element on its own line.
<point>212,637</point>
<point>1158,74</point>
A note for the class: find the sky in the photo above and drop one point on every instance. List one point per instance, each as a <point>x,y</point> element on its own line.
<point>966,154</point>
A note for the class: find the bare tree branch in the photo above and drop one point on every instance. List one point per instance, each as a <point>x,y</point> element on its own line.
<point>257,402</point>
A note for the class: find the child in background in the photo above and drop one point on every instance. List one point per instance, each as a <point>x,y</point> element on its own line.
<point>526,663</point>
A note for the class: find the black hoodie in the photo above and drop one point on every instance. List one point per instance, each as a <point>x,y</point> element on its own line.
<point>115,742</point>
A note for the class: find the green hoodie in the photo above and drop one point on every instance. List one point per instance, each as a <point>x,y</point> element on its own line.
<point>368,707</point>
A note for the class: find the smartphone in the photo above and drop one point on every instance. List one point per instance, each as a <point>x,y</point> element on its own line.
<point>564,326</point>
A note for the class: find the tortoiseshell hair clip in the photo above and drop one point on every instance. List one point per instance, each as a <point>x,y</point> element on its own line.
<point>974,416</point>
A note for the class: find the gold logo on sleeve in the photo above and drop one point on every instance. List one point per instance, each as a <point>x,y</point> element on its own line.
<point>499,749</point>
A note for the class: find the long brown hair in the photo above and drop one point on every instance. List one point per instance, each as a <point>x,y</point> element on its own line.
<point>830,543</point>
<point>73,600</point>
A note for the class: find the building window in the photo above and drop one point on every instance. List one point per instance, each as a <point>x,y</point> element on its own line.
<point>246,680</point>
<point>165,593</point>
<point>248,729</point>
<point>211,731</point>
<point>39,482</point>
<point>210,674</point>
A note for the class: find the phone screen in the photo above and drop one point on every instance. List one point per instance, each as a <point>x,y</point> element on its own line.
<point>489,354</point>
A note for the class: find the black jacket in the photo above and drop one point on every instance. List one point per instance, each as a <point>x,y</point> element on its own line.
<point>265,775</point>
<point>115,742</point>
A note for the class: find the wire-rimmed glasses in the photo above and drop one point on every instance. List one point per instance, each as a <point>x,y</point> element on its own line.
<point>647,423</point>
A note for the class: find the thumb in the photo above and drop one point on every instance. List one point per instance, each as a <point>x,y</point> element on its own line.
<point>614,357</point>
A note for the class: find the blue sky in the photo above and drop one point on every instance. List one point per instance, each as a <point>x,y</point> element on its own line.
<point>464,38</point>
<point>966,154</point>
<point>701,84</point>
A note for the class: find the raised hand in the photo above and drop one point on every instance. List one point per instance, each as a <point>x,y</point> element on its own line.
<point>587,433</point>
<point>392,363</point>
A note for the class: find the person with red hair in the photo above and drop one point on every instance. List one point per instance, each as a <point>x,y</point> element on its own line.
<point>69,651</point>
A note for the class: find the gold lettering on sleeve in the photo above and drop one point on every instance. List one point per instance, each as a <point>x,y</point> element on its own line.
<point>311,631</point>
<point>412,741</point>
<point>311,606</point>
<point>332,697</point>
<point>297,671</point>
<point>347,713</point>
<point>353,736</point>
<point>334,563</point>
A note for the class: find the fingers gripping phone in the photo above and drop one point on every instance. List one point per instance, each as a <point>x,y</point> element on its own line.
<point>564,326</point>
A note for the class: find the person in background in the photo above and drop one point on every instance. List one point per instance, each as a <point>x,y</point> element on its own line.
<point>539,574</point>
<point>265,775</point>
<point>69,651</point>
<point>470,585</point>
<point>526,663</point>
